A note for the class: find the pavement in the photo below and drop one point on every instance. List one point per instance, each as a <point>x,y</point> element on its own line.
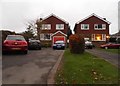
<point>109,57</point>
<point>51,76</point>
<point>33,68</point>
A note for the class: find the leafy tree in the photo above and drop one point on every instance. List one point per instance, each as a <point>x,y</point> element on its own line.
<point>5,33</point>
<point>35,27</point>
<point>28,34</point>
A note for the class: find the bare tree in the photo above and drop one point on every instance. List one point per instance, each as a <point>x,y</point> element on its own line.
<point>35,26</point>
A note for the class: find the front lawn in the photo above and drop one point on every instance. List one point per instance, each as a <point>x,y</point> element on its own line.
<point>85,69</point>
<point>116,51</point>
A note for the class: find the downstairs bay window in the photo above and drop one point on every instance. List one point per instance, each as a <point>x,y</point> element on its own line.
<point>98,37</point>
<point>45,36</point>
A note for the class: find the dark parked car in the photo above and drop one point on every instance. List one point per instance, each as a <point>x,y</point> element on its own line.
<point>15,43</point>
<point>34,44</point>
<point>88,45</point>
<point>110,45</point>
<point>59,45</point>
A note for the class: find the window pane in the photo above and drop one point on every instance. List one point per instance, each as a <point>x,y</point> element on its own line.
<point>100,26</point>
<point>103,26</point>
<point>15,38</point>
<point>96,26</point>
<point>93,37</point>
<point>85,26</point>
<point>82,26</point>
<point>46,26</point>
<point>104,37</point>
<point>98,37</point>
<point>47,36</point>
<point>60,26</point>
<point>41,36</point>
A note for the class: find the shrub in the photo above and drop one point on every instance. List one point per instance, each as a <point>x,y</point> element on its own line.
<point>76,44</point>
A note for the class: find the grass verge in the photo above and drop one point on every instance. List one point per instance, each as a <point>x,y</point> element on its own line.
<point>85,69</point>
<point>116,51</point>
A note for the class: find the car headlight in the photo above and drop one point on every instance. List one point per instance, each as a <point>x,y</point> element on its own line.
<point>54,44</point>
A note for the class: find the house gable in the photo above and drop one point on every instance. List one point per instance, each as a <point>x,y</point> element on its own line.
<point>93,15</point>
<point>56,17</point>
<point>59,33</point>
<point>94,28</point>
<point>55,23</point>
<point>91,21</point>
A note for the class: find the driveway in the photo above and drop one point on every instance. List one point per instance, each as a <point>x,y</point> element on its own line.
<point>110,57</point>
<point>32,68</point>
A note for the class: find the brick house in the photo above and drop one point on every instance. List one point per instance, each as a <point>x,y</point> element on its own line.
<point>53,28</point>
<point>93,28</point>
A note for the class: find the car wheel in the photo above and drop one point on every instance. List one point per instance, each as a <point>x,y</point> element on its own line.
<point>106,47</point>
<point>118,47</point>
<point>25,52</point>
<point>39,48</point>
<point>90,47</point>
<point>3,52</point>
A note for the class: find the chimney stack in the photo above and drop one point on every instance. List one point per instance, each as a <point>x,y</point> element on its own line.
<point>104,18</point>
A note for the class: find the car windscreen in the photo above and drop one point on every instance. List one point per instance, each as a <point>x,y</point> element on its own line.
<point>34,41</point>
<point>60,42</point>
<point>17,38</point>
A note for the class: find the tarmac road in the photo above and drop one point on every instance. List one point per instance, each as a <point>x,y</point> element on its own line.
<point>110,57</point>
<point>32,68</point>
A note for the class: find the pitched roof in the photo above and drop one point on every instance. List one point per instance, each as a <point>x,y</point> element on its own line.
<point>93,14</point>
<point>58,32</point>
<point>56,17</point>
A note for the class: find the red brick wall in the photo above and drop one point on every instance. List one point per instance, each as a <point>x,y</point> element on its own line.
<point>91,21</point>
<point>53,21</point>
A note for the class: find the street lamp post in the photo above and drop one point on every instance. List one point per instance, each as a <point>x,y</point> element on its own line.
<point>107,37</point>
<point>39,26</point>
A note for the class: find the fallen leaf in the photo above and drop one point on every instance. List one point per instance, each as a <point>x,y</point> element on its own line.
<point>96,78</point>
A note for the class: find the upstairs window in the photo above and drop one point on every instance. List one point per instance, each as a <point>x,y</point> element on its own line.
<point>46,26</point>
<point>100,26</point>
<point>59,26</point>
<point>84,26</point>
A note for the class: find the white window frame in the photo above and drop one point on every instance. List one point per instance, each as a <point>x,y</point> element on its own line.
<point>42,36</point>
<point>46,25</point>
<point>83,27</point>
<point>87,39</point>
<point>60,28</point>
<point>103,37</point>
<point>103,27</point>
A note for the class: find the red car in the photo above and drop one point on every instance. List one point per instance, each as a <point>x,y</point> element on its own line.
<point>110,45</point>
<point>15,43</point>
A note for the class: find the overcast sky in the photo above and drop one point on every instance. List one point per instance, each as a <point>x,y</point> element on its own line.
<point>14,14</point>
